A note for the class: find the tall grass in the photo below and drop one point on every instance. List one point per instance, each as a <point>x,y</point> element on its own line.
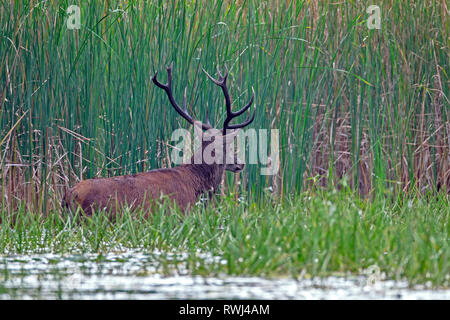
<point>305,235</point>
<point>366,107</point>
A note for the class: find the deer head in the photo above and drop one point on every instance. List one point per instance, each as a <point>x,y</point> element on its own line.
<point>223,137</point>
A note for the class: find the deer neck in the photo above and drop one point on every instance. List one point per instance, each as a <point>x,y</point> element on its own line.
<point>208,176</point>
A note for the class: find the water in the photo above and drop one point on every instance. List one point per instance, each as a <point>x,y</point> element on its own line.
<point>135,275</point>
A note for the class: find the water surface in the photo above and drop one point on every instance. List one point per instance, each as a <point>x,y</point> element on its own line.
<point>134,275</point>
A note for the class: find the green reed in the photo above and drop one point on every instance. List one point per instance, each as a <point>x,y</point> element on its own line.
<point>308,235</point>
<point>366,106</point>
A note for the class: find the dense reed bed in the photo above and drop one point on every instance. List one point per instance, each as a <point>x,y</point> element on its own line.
<point>363,108</point>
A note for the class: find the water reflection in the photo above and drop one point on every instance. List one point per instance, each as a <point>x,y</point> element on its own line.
<point>135,275</point>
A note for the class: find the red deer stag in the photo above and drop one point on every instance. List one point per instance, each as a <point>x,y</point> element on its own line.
<point>183,184</point>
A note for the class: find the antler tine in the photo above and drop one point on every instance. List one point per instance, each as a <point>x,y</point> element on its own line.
<point>168,89</point>
<point>169,75</point>
<point>238,113</point>
<point>217,82</point>
<point>243,124</point>
<point>222,78</point>
<point>222,82</point>
<point>218,72</point>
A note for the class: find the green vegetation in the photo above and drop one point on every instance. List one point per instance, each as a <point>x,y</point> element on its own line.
<point>357,109</point>
<point>367,105</point>
<point>309,235</point>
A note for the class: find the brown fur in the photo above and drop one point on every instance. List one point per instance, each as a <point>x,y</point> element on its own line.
<point>183,184</point>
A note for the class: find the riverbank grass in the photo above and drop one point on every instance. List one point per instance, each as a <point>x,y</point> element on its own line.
<point>306,235</point>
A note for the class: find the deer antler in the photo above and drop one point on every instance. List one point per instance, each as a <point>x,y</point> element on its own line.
<point>222,82</point>
<point>168,89</point>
